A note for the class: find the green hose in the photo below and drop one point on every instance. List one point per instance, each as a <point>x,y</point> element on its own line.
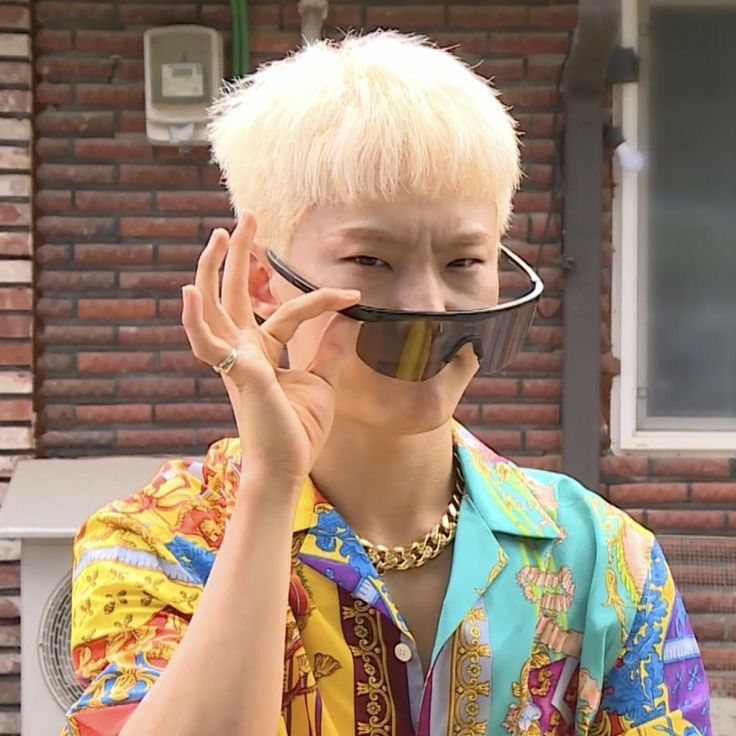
<point>244,38</point>
<point>236,38</point>
<point>240,38</point>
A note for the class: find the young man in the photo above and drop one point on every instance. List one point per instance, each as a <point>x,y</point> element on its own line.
<point>355,562</point>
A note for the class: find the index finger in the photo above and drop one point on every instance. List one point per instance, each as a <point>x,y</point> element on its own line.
<point>283,323</point>
<point>235,297</point>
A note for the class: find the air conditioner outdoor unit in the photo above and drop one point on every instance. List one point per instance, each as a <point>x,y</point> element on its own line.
<point>46,502</point>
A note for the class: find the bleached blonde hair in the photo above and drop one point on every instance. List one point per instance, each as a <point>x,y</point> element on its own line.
<point>368,118</point>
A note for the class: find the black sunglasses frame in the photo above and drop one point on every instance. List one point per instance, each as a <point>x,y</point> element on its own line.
<point>365,313</point>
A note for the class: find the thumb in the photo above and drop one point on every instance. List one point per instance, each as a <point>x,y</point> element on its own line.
<point>336,343</point>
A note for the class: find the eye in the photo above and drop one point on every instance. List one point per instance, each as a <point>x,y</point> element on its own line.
<point>368,262</point>
<point>465,263</point>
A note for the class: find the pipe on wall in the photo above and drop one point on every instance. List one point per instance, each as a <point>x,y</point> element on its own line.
<point>313,14</point>
<point>240,38</point>
<point>584,87</point>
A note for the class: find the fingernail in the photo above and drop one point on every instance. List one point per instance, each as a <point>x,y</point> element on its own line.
<point>352,294</point>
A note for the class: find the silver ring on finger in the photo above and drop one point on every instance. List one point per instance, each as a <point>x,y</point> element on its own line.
<point>224,367</point>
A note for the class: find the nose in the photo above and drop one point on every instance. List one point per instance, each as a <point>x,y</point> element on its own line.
<point>422,291</point>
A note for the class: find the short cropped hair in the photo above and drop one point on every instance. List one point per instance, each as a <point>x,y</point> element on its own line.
<point>367,118</point>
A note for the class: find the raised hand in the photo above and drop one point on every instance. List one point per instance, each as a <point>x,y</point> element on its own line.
<point>283,415</point>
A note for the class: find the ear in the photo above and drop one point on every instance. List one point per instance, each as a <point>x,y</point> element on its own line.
<point>259,283</point>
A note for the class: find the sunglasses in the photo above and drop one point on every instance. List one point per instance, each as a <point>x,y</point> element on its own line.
<point>416,345</point>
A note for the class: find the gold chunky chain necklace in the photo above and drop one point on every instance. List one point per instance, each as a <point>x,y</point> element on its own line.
<point>428,547</point>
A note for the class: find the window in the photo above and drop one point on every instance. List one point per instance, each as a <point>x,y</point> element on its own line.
<point>675,230</point>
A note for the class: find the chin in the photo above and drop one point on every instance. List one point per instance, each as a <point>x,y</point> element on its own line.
<point>402,407</point>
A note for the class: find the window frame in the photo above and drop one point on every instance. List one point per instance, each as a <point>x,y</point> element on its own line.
<point>629,215</point>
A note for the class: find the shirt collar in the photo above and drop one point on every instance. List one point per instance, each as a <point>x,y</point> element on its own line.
<point>506,499</point>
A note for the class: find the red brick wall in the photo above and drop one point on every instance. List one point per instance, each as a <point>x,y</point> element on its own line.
<point>120,224</point>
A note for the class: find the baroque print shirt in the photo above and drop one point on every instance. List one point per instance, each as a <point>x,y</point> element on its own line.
<point>560,615</point>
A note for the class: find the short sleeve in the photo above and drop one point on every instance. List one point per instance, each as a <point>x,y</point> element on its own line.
<point>139,568</point>
<point>658,683</point>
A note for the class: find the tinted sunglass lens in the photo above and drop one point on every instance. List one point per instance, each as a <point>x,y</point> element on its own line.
<point>405,350</point>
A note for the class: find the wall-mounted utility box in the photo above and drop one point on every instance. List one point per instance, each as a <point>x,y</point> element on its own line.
<point>183,71</point>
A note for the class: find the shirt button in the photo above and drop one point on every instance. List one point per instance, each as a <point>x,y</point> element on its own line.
<point>402,652</point>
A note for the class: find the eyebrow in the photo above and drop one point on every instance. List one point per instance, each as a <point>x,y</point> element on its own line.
<point>382,236</point>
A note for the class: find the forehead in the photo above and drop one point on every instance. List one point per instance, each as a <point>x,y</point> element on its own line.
<point>443,222</point>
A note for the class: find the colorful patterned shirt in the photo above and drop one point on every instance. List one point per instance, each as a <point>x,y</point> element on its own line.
<point>560,615</point>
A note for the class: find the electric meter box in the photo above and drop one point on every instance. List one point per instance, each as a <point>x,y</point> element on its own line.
<point>183,71</point>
